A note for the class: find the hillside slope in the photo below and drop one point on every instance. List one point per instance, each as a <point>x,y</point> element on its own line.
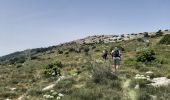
<point>85,76</point>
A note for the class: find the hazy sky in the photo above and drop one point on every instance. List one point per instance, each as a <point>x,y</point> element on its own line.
<point>39,23</point>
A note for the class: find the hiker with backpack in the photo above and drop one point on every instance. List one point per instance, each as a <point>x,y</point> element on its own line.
<point>116,56</point>
<point>104,54</point>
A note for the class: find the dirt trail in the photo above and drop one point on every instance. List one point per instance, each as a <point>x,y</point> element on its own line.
<point>130,94</point>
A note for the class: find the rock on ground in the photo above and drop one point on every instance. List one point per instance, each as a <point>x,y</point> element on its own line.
<point>160,81</point>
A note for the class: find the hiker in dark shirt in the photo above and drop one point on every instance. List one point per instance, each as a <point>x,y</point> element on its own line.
<point>116,56</point>
<point>104,54</point>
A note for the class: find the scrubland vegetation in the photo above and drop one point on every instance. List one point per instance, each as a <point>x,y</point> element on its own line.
<point>87,76</point>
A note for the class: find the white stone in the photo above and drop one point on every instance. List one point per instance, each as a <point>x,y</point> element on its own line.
<point>137,75</point>
<point>8,99</point>
<point>58,98</point>
<point>61,95</point>
<point>149,72</point>
<point>12,89</point>
<point>52,91</point>
<point>160,81</point>
<point>137,86</point>
<point>51,97</point>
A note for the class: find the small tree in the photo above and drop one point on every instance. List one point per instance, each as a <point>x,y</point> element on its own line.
<point>146,34</point>
<point>86,49</point>
<point>53,69</point>
<point>146,55</point>
<point>165,39</point>
<point>60,51</point>
<point>159,33</point>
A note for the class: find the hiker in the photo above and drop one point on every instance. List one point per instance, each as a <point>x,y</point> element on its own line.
<point>104,54</point>
<point>116,56</point>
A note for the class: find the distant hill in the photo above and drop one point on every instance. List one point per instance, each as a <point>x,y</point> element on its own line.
<point>88,40</point>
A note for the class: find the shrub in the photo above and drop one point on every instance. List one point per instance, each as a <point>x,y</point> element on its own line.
<point>93,47</point>
<point>122,35</point>
<point>140,40</point>
<point>159,33</point>
<point>71,50</point>
<point>146,34</point>
<point>146,55</point>
<point>60,51</point>
<point>116,84</point>
<point>78,50</point>
<point>66,52</point>
<point>87,94</point>
<point>165,39</point>
<point>53,69</point>
<point>15,60</point>
<point>34,57</point>
<point>101,73</point>
<point>86,50</point>
<point>97,50</point>
<point>34,92</point>
<point>65,86</point>
<point>144,96</point>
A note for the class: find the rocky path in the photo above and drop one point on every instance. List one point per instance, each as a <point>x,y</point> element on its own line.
<point>130,94</point>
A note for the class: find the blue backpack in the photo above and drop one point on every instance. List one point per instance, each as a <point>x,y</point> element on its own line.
<point>116,53</point>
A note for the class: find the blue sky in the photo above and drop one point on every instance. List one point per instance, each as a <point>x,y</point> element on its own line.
<point>28,24</point>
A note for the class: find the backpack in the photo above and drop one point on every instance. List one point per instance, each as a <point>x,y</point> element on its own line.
<point>116,53</point>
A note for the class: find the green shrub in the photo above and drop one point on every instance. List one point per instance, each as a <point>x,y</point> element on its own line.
<point>93,47</point>
<point>159,33</point>
<point>34,92</point>
<point>65,86</point>
<point>146,55</point>
<point>71,50</point>
<point>146,34</point>
<point>53,69</point>
<point>116,84</point>
<point>86,50</point>
<point>165,39</point>
<point>15,60</point>
<point>97,50</point>
<point>144,96</point>
<point>66,53</point>
<point>161,93</point>
<point>101,73</point>
<point>34,57</point>
<point>87,94</point>
<point>60,51</point>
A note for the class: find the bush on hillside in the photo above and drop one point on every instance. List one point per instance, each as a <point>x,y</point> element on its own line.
<point>93,47</point>
<point>140,40</point>
<point>17,60</point>
<point>78,50</point>
<point>86,50</point>
<point>159,33</point>
<point>60,51</point>
<point>146,34</point>
<point>146,55</point>
<point>66,53</point>
<point>53,69</point>
<point>71,50</point>
<point>101,73</point>
<point>165,39</point>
